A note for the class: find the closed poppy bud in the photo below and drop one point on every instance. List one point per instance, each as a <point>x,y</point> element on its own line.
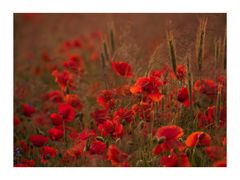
<point>182,94</point>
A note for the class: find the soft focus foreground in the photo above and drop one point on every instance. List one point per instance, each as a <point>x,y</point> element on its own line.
<point>139,90</point>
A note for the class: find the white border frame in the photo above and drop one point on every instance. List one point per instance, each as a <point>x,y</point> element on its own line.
<point>9,7</point>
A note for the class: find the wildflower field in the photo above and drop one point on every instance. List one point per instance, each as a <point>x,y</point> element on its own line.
<point>120,90</point>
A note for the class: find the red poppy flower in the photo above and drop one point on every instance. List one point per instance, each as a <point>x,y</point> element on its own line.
<point>207,86</point>
<point>38,140</point>
<point>55,96</point>
<point>76,150</point>
<point>170,132</point>
<point>122,69</point>
<point>48,151</point>
<point>168,139</point>
<point>74,63</point>
<point>117,157</point>
<point>183,95</point>
<point>56,119</point>
<point>97,147</point>
<point>181,72</point>
<point>27,110</point>
<point>55,133</point>
<point>149,86</point>
<point>124,114</point>
<point>175,160</point>
<point>112,127</point>
<point>16,121</point>
<point>100,115</point>
<point>198,138</point>
<point>106,99</point>
<point>63,78</point>
<point>74,101</point>
<point>67,112</point>
<point>85,134</point>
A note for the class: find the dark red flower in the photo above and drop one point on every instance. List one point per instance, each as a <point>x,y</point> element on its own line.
<point>55,133</point>
<point>56,119</point>
<point>122,69</point>
<point>112,127</point>
<point>74,101</point>
<point>181,72</point>
<point>85,134</point>
<point>207,86</point>
<point>106,99</point>
<point>97,147</point>
<point>38,140</point>
<point>74,63</point>
<point>67,112</point>
<point>182,95</point>
<point>27,110</point>
<point>198,138</point>
<point>55,96</point>
<point>149,86</point>
<point>167,137</point>
<point>170,132</point>
<point>117,157</point>
<point>63,78</point>
<point>16,121</point>
<point>175,160</point>
<point>48,152</point>
<point>124,114</point>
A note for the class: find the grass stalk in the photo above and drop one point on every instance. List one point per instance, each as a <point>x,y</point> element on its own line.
<point>172,51</point>
<point>200,43</point>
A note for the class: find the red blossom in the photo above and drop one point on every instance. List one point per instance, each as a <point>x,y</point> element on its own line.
<point>56,119</point>
<point>124,114</point>
<point>122,69</point>
<point>67,112</point>
<point>175,160</point>
<point>149,86</point>
<point>16,121</point>
<point>97,147</point>
<point>168,139</point>
<point>198,138</point>
<point>38,140</point>
<point>181,72</point>
<point>63,78</point>
<point>55,133</point>
<point>117,157</point>
<point>28,110</point>
<point>207,86</point>
<point>106,99</point>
